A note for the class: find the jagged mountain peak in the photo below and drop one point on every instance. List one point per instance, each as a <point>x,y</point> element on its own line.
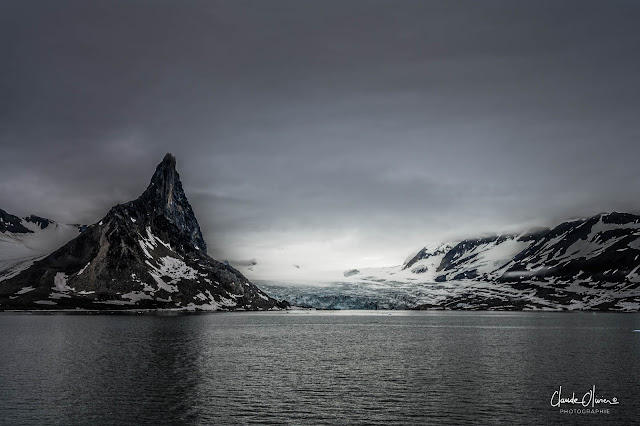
<point>147,253</point>
<point>165,181</point>
<point>169,159</point>
<point>165,198</point>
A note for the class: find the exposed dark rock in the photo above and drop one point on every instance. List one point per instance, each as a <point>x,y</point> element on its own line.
<point>601,256</point>
<point>351,272</point>
<point>425,253</point>
<point>40,221</point>
<point>164,197</point>
<point>147,253</point>
<point>456,254</point>
<point>11,223</point>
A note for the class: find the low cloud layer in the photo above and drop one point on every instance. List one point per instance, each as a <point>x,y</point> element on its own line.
<point>324,134</point>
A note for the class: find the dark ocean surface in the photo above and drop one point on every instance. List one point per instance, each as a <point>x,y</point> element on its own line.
<point>318,367</point>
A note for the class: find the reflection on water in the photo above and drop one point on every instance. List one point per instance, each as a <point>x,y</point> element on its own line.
<point>315,367</point>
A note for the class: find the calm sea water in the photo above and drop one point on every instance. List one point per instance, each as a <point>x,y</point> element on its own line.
<point>353,367</point>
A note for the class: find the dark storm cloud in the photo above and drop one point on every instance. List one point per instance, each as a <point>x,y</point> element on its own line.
<point>363,126</point>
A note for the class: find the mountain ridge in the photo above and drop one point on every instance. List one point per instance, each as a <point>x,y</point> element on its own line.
<point>148,253</point>
<point>589,263</point>
<point>25,240</point>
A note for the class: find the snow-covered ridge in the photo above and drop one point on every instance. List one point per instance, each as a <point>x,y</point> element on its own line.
<point>591,263</point>
<point>25,240</point>
<point>604,237</point>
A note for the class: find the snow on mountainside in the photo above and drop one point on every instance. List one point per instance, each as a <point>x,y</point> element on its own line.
<point>603,248</point>
<point>24,240</point>
<point>427,260</point>
<point>590,263</point>
<point>147,253</point>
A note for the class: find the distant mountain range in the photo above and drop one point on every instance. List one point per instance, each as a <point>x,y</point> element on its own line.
<point>585,264</point>
<point>150,253</point>
<point>25,240</point>
<point>147,253</point>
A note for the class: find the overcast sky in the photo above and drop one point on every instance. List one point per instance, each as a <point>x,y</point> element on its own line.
<point>328,134</point>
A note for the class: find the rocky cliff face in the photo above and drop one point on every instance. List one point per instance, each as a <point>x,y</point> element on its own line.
<point>164,198</point>
<point>147,253</point>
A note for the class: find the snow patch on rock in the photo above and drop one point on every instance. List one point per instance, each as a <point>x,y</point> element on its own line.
<point>60,282</point>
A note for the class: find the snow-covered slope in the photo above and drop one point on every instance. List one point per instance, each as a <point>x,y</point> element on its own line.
<point>602,249</point>
<point>419,267</point>
<point>484,258</point>
<point>24,240</point>
<point>590,263</point>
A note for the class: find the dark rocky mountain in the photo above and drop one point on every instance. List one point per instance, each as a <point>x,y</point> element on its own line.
<point>602,249</point>
<point>147,253</point>
<point>15,225</point>
<point>42,222</point>
<point>11,223</point>
<point>585,264</point>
